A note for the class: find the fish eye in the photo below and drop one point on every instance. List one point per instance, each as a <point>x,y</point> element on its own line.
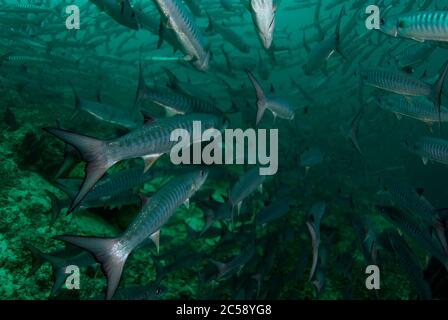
<point>382,22</point>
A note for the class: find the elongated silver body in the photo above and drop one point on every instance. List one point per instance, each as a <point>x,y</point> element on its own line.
<point>434,149</point>
<point>129,118</point>
<point>193,43</point>
<point>410,264</point>
<point>180,103</point>
<point>154,138</point>
<point>263,16</point>
<point>112,253</point>
<point>419,108</point>
<point>148,142</point>
<point>111,185</point>
<point>413,230</point>
<point>161,206</point>
<point>396,81</point>
<point>406,197</point>
<point>419,26</point>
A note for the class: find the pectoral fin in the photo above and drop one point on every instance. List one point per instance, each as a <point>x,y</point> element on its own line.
<point>155,237</point>
<point>149,161</point>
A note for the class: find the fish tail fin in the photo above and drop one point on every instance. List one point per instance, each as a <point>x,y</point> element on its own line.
<point>37,257</point>
<point>40,258</point>
<point>92,151</point>
<point>59,278</point>
<point>261,98</point>
<point>141,87</point>
<point>107,252</point>
<point>71,157</point>
<point>436,95</point>
<point>59,266</point>
<point>56,206</point>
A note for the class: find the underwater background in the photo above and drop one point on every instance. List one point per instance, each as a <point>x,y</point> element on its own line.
<point>351,188</point>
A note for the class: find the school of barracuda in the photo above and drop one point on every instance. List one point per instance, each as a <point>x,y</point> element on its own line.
<point>363,148</point>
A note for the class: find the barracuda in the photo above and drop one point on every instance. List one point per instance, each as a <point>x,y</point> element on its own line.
<point>173,102</point>
<point>263,16</point>
<point>431,149</point>
<point>112,253</point>
<point>148,142</point>
<point>412,229</point>
<point>418,108</point>
<point>176,17</point>
<point>404,84</point>
<point>419,26</point>
<point>409,263</point>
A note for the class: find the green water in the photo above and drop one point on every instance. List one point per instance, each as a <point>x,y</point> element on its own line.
<point>42,63</point>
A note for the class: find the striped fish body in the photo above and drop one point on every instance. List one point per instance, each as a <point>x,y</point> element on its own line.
<point>188,34</point>
<point>180,103</point>
<point>112,253</point>
<point>420,26</point>
<point>396,81</point>
<point>406,197</point>
<point>154,138</point>
<point>161,206</point>
<point>409,263</point>
<point>20,60</point>
<point>418,108</point>
<point>434,149</point>
<point>112,185</point>
<point>25,9</point>
<point>412,229</point>
<point>148,142</point>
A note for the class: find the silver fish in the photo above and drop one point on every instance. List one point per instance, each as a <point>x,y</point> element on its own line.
<point>112,253</point>
<point>148,142</point>
<point>279,107</point>
<point>431,149</point>
<point>177,18</point>
<point>404,84</point>
<point>419,26</point>
<point>419,108</point>
<point>263,16</point>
